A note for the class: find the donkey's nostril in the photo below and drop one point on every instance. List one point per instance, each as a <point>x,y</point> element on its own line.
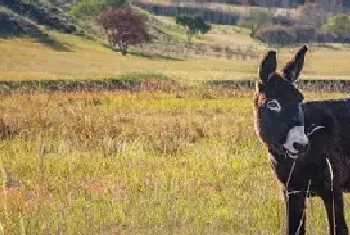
<point>300,147</point>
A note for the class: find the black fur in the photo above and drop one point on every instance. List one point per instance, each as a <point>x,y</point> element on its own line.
<point>331,143</point>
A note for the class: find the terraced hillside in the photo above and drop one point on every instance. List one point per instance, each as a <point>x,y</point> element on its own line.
<point>38,14</point>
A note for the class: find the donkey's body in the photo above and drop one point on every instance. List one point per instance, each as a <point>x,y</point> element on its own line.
<point>316,166</point>
<point>339,108</point>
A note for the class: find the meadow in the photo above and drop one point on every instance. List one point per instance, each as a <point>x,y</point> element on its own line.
<point>139,163</point>
<point>73,57</point>
<point>186,161</point>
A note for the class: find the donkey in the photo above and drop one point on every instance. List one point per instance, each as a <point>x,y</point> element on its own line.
<point>308,143</point>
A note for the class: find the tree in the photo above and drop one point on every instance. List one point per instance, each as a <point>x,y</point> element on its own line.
<point>124,27</point>
<point>192,25</point>
<point>340,26</point>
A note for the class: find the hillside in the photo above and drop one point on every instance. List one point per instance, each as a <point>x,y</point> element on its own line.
<point>329,5</point>
<point>224,14</point>
<point>41,14</point>
<point>225,53</point>
<point>78,58</point>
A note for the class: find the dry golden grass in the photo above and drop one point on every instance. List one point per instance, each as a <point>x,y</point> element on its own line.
<point>26,59</point>
<point>138,163</point>
<point>85,59</point>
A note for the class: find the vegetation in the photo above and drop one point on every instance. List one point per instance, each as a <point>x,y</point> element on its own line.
<point>283,35</point>
<point>256,22</point>
<point>124,27</point>
<point>39,14</point>
<point>178,160</point>
<point>88,8</point>
<point>339,25</point>
<point>276,34</point>
<point>192,25</point>
<point>138,163</point>
<point>73,57</point>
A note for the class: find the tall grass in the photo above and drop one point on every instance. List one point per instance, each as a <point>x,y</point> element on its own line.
<point>137,163</point>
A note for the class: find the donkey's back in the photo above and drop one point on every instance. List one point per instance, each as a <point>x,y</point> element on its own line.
<point>339,108</point>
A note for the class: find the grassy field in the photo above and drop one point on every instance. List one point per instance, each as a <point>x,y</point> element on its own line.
<point>224,35</point>
<point>138,163</point>
<point>76,58</point>
<point>142,163</point>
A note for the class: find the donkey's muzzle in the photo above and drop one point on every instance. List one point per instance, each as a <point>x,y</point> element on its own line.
<point>296,141</point>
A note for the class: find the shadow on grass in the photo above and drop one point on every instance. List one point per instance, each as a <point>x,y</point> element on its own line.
<point>42,38</point>
<point>19,27</point>
<point>53,43</point>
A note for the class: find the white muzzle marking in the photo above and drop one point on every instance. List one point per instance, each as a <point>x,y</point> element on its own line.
<point>295,135</point>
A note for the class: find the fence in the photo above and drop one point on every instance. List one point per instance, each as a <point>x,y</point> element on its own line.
<point>180,49</point>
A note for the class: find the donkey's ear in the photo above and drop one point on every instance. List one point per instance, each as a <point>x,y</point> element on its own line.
<point>293,68</point>
<point>267,67</point>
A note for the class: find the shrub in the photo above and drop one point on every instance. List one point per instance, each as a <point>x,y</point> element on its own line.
<point>88,8</point>
<point>324,37</point>
<point>276,34</point>
<point>339,25</point>
<point>71,29</point>
<point>94,7</point>
<point>279,34</point>
<point>304,33</point>
<point>283,20</point>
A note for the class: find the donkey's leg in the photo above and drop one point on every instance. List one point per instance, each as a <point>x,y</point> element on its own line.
<point>296,214</point>
<point>334,203</point>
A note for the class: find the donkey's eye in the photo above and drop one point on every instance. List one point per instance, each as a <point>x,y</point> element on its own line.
<point>274,105</point>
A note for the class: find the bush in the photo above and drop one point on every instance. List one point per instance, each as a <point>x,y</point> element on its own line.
<point>283,20</point>
<point>279,34</point>
<point>71,29</point>
<point>304,34</point>
<point>339,25</point>
<point>88,8</point>
<point>276,34</point>
<point>94,7</point>
<point>324,37</point>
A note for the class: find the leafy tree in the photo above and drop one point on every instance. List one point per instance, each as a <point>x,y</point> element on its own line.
<point>254,23</point>
<point>115,3</point>
<point>124,27</point>
<point>192,25</point>
<point>340,26</point>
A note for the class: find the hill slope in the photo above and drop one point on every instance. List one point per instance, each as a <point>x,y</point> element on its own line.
<point>41,14</point>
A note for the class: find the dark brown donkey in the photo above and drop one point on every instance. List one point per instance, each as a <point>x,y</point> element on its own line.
<point>309,142</point>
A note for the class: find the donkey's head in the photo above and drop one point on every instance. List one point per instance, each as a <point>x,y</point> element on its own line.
<point>278,106</point>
